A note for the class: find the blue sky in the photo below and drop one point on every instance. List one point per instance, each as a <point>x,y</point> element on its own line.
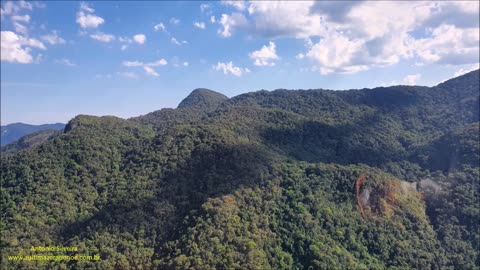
<point>61,59</point>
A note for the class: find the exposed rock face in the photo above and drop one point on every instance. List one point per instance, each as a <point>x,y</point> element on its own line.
<point>429,185</point>
<point>385,197</point>
<point>364,197</point>
<point>406,186</point>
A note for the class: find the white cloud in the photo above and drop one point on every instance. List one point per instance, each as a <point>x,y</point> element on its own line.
<point>174,20</point>
<point>125,40</point>
<point>160,27</point>
<point>13,7</point>
<point>412,79</point>
<point>24,18</point>
<point>130,75</point>
<point>387,84</point>
<point>86,7</point>
<point>240,5</point>
<point>368,33</point>
<point>300,56</point>
<point>176,42</point>
<point>265,56</point>
<point>373,34</point>
<point>185,64</point>
<point>462,71</point>
<point>102,37</point>
<point>89,20</point>
<point>66,62</point>
<point>308,43</point>
<point>375,19</point>
<point>140,38</point>
<point>231,22</point>
<point>277,19</point>
<point>449,44</point>
<point>53,38</point>
<point>16,48</point>
<point>18,21</point>
<point>86,18</point>
<point>150,71</point>
<point>336,54</point>
<point>20,28</point>
<point>229,68</point>
<point>200,25</point>
<point>146,66</point>
<point>161,62</point>
<point>212,19</point>
<point>466,6</point>
<point>463,14</point>
<point>132,63</point>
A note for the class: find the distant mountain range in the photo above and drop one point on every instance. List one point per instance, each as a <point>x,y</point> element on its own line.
<point>15,131</point>
<point>30,140</point>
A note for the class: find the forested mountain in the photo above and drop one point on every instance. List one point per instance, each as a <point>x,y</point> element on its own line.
<point>13,132</point>
<point>383,178</point>
<point>31,140</point>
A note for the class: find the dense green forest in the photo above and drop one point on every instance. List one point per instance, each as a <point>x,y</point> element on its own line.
<point>383,178</point>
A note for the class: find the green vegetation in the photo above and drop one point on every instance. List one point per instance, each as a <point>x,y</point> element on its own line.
<point>264,180</point>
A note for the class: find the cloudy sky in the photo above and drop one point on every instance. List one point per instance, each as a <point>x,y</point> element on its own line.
<point>60,59</point>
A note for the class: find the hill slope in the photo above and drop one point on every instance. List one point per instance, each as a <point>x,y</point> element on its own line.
<point>360,179</point>
<point>30,140</point>
<point>13,132</point>
<point>202,98</point>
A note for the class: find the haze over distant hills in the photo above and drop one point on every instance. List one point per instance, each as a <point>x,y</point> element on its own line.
<point>15,131</point>
<point>383,178</point>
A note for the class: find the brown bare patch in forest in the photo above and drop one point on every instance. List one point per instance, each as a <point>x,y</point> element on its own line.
<point>392,188</point>
<point>386,198</point>
<point>228,199</point>
<point>358,185</point>
<point>385,208</point>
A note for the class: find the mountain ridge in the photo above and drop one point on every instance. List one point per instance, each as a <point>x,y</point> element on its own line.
<point>202,98</point>
<point>15,131</point>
